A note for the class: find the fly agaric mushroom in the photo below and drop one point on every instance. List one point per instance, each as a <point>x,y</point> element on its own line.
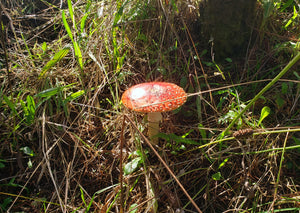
<point>154,98</point>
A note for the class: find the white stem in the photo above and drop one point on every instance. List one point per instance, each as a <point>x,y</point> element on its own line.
<point>153,127</point>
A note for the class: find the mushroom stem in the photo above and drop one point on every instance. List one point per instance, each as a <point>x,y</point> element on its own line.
<point>153,127</point>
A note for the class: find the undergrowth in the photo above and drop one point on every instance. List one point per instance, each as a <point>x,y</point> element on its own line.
<point>63,68</point>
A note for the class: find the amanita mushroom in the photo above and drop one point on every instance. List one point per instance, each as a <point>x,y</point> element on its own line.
<point>154,98</point>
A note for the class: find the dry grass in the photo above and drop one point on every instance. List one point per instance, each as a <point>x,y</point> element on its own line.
<point>76,139</point>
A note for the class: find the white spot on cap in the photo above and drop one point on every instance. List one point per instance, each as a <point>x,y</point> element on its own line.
<point>137,93</point>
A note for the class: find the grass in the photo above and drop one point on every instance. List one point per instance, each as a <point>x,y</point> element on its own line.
<point>66,146</point>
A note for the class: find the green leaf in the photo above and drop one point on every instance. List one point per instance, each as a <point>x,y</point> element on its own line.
<point>74,96</point>
<point>26,150</point>
<point>24,108</point>
<point>44,47</point>
<point>82,23</point>
<point>134,207</point>
<point>268,8</point>
<point>71,11</point>
<point>29,163</point>
<point>30,104</point>
<point>52,91</point>
<point>10,104</point>
<point>49,92</point>
<point>77,50</point>
<point>5,203</point>
<point>82,196</point>
<point>57,57</point>
<point>29,109</point>
<point>132,166</point>
<point>217,176</point>
<point>295,14</point>
<point>78,54</point>
<point>264,113</point>
<point>286,5</point>
<point>284,88</point>
<point>228,60</point>
<point>177,139</point>
<point>68,29</point>
<point>223,163</point>
<point>105,189</point>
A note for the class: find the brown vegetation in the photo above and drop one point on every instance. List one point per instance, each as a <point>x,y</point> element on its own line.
<point>61,119</point>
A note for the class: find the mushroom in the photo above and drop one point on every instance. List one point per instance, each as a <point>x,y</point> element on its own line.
<point>154,98</point>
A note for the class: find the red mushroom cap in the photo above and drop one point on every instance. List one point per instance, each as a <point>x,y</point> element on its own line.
<point>154,97</point>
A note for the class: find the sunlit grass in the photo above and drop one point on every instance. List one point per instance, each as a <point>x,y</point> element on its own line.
<point>61,119</point>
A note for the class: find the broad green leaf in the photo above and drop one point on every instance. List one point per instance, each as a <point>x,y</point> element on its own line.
<point>49,92</point>
<point>264,113</point>
<point>74,96</point>
<point>53,91</point>
<point>57,57</point>
<point>217,176</point>
<point>132,165</point>
<point>30,104</point>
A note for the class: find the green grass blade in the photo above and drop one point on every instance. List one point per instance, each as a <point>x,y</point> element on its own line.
<point>82,23</point>
<point>68,29</point>
<point>71,12</point>
<point>77,50</point>
<point>78,55</point>
<point>75,95</point>
<point>82,196</point>
<point>57,57</point>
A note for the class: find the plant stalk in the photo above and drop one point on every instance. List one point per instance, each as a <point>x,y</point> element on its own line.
<point>165,165</point>
<point>285,69</point>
